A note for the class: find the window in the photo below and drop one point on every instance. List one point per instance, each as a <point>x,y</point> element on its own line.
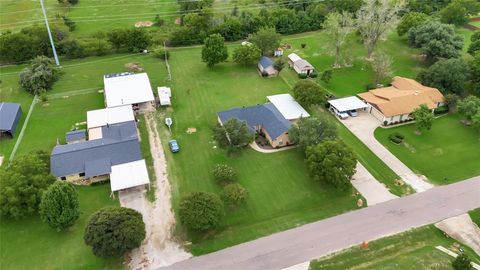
<point>63,178</point>
<point>81,174</point>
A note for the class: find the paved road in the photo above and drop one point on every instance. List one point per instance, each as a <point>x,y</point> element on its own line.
<point>323,237</point>
<point>363,127</point>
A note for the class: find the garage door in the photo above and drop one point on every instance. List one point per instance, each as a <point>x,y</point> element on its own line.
<point>376,113</point>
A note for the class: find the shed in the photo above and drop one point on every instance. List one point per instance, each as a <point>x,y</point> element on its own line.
<point>164,95</point>
<point>265,65</point>
<point>347,104</point>
<point>128,175</point>
<point>288,106</point>
<point>10,114</point>
<point>127,89</point>
<point>75,136</point>
<point>302,66</point>
<point>292,58</point>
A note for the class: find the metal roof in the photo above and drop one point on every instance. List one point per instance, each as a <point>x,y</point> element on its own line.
<point>10,114</point>
<point>265,62</point>
<point>265,115</point>
<point>129,175</point>
<point>127,89</point>
<point>75,135</point>
<point>347,104</point>
<point>288,106</point>
<point>102,117</point>
<point>294,57</point>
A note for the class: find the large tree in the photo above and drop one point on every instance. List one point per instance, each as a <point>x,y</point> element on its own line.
<point>246,54</point>
<point>22,184</point>
<point>308,93</point>
<point>338,26</point>
<point>201,211</point>
<point>458,11</point>
<point>382,67</point>
<point>113,231</point>
<point>214,51</point>
<point>266,39</point>
<point>39,76</point>
<point>462,262</point>
<point>448,75</point>
<point>423,118</point>
<point>436,40</point>
<point>332,162</point>
<point>411,20</point>
<point>232,134</point>
<point>312,131</point>
<point>59,207</point>
<point>375,18</point>
<point>469,107</point>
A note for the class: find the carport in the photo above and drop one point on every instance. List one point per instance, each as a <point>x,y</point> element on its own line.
<point>343,105</point>
<point>129,175</point>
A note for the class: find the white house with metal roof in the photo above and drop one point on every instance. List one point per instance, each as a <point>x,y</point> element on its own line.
<point>128,89</point>
<point>288,107</point>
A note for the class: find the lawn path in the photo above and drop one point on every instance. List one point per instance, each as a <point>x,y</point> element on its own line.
<point>20,136</point>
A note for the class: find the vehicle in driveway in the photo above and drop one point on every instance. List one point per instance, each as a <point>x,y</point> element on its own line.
<point>174,146</point>
<point>353,113</point>
<point>342,115</point>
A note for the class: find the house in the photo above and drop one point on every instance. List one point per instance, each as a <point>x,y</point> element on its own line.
<point>128,89</point>
<point>10,114</point>
<point>76,136</point>
<point>97,119</point>
<point>265,66</point>
<point>301,66</point>
<point>164,95</point>
<point>346,105</point>
<point>288,107</point>
<point>395,103</point>
<point>261,119</point>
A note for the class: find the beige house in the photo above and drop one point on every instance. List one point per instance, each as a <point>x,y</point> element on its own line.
<point>395,103</point>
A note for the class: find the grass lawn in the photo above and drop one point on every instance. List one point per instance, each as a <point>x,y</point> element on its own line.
<point>281,194</point>
<point>414,249</point>
<point>31,244</point>
<point>475,216</point>
<point>448,150</point>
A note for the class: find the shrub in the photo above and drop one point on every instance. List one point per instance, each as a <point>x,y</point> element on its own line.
<point>313,74</point>
<point>302,75</point>
<point>396,138</point>
<point>234,194</point>
<point>158,21</point>
<point>441,110</point>
<point>223,173</point>
<point>385,123</point>
<point>40,76</point>
<point>160,52</point>
<point>113,231</point>
<point>462,262</point>
<point>200,211</point>
<point>59,207</point>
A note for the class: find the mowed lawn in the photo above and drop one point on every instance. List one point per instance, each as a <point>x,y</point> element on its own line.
<point>414,249</point>
<point>281,194</point>
<point>31,244</point>
<point>445,154</point>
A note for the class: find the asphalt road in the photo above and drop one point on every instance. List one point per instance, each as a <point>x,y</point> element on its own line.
<point>317,239</point>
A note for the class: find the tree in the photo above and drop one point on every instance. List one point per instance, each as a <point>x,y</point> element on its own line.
<point>475,74</point>
<point>454,13</point>
<point>308,93</point>
<point>234,194</point>
<point>267,40</point>
<point>279,64</point>
<point>469,107</point>
<point>423,118</point>
<point>448,75</point>
<point>332,162</point>
<point>374,19</point>
<point>462,262</point>
<point>436,40</point>
<point>40,76</point>
<point>327,76</point>
<point>137,40</point>
<point>223,173</point>
<point>233,134</point>
<point>451,100</point>
<point>411,20</point>
<point>113,231</point>
<point>22,184</point>
<point>382,67</point>
<point>201,211</point>
<point>474,47</point>
<point>338,26</point>
<point>59,207</point>
<point>117,38</point>
<point>214,50</point>
<point>312,131</point>
<point>247,54</point>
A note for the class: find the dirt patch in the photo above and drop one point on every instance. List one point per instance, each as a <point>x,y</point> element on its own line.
<point>462,229</point>
<point>143,24</point>
<point>191,130</point>
<point>134,67</point>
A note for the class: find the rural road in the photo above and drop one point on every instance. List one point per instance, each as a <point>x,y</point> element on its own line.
<point>316,239</point>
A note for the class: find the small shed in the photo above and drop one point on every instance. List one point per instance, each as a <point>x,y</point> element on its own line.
<point>292,58</point>
<point>265,65</point>
<point>75,136</point>
<point>278,52</point>
<point>302,66</point>
<point>347,104</point>
<point>164,95</point>
<point>10,114</point>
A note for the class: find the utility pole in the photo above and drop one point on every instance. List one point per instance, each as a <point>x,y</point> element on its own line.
<point>50,34</point>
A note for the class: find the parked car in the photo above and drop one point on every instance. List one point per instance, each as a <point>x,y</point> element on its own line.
<point>174,146</point>
<point>342,115</point>
<point>353,113</point>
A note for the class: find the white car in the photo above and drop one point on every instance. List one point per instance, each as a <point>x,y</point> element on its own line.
<point>353,113</point>
<point>342,115</point>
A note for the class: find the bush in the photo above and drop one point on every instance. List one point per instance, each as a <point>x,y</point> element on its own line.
<point>462,262</point>
<point>201,211</point>
<point>223,173</point>
<point>160,52</point>
<point>113,231</point>
<point>59,207</point>
<point>313,74</point>
<point>396,138</point>
<point>234,194</point>
<point>302,75</point>
<point>40,76</point>
<point>441,110</point>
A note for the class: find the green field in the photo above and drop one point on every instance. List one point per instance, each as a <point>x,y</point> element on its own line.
<point>475,216</point>
<point>31,244</point>
<point>445,154</point>
<point>414,249</point>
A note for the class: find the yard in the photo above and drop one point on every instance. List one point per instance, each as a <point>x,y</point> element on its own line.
<point>414,249</point>
<point>445,154</point>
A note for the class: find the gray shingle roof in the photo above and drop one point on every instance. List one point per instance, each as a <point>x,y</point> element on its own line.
<point>265,115</point>
<point>10,114</point>
<point>75,135</point>
<point>118,145</point>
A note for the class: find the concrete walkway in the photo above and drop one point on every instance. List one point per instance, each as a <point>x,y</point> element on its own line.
<point>372,190</point>
<point>462,229</point>
<point>323,237</point>
<point>257,148</point>
<point>363,126</point>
